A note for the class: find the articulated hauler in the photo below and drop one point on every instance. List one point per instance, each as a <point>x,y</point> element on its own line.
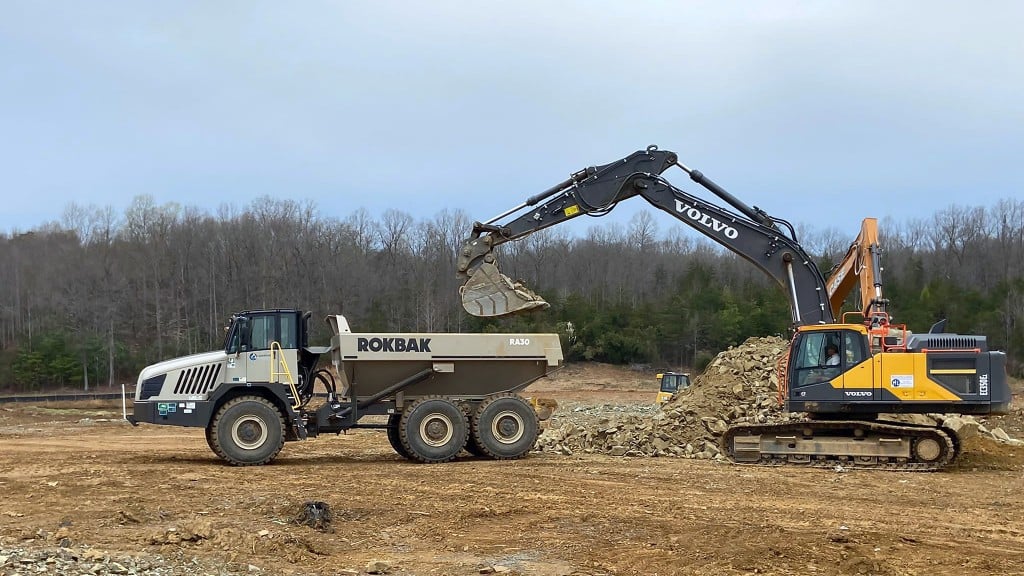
<point>440,393</point>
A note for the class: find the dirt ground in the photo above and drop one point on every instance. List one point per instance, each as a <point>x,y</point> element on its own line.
<point>75,473</point>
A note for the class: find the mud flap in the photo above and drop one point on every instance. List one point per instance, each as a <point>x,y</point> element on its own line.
<point>489,293</point>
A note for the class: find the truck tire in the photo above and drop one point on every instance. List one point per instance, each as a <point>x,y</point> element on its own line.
<point>394,436</point>
<point>471,446</point>
<point>247,431</point>
<point>505,427</point>
<point>433,429</point>
<point>209,439</point>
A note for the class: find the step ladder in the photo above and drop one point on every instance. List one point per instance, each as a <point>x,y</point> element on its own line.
<point>279,367</point>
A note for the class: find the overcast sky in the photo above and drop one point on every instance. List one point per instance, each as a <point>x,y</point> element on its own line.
<point>819,112</point>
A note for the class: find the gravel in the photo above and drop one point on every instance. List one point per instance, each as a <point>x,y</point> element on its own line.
<point>27,560</point>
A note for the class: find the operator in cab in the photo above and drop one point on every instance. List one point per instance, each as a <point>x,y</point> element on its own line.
<point>832,353</point>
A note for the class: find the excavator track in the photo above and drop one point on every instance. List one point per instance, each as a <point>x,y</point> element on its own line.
<point>847,443</point>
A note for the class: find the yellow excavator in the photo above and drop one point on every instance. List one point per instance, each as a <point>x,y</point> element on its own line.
<point>842,375</point>
<point>669,383</point>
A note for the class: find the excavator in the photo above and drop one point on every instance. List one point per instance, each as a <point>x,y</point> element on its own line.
<point>841,374</point>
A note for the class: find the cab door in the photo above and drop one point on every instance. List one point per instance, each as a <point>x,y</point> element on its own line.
<point>262,332</point>
<point>859,383</point>
<point>273,353</point>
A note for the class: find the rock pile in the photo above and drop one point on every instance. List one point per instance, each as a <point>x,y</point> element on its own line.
<point>966,427</point>
<point>16,561</point>
<point>739,386</point>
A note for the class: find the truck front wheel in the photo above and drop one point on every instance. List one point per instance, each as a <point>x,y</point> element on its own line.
<point>247,431</point>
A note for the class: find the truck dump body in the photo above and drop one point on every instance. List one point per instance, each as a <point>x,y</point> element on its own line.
<point>463,366</point>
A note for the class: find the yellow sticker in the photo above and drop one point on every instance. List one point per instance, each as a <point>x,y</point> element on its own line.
<point>572,210</point>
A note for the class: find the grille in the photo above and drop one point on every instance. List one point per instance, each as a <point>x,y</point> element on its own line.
<point>197,380</point>
<point>953,342</point>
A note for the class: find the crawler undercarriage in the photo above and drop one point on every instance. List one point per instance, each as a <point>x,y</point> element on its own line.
<point>848,443</point>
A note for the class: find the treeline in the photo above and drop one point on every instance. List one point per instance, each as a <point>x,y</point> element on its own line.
<point>91,299</point>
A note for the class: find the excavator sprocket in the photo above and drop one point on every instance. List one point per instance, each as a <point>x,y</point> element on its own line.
<point>489,294</point>
<point>847,443</point>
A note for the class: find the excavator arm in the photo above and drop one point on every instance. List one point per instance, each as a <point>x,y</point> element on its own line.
<point>768,243</point>
<point>862,264</point>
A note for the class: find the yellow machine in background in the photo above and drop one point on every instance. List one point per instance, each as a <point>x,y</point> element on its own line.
<point>669,383</point>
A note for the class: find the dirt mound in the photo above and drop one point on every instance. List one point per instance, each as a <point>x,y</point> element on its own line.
<point>986,453</point>
<point>738,386</point>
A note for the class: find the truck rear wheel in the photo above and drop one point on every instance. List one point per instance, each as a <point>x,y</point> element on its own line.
<point>505,427</point>
<point>433,429</point>
<point>247,431</point>
<point>394,436</point>
<point>471,446</point>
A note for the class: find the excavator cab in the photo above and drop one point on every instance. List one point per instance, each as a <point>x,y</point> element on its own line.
<point>823,355</point>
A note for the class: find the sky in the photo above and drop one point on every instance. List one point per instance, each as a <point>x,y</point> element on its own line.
<point>820,112</point>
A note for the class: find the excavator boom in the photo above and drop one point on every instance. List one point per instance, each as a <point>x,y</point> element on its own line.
<point>768,243</point>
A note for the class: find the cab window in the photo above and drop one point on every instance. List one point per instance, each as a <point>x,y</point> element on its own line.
<point>263,332</point>
<point>853,349</point>
<point>677,382</point>
<point>812,364</point>
<point>234,338</point>
<point>289,331</point>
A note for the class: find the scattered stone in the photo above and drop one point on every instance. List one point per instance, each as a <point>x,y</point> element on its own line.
<point>193,531</point>
<point>839,537</point>
<point>378,567</point>
<point>24,561</point>
<point>964,427</point>
<point>1000,434</point>
<point>197,530</point>
<point>126,517</point>
<point>912,419</point>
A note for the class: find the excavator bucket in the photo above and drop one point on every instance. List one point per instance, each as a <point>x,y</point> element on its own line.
<point>489,293</point>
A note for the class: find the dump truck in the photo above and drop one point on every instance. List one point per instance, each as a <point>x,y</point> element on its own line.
<point>435,394</point>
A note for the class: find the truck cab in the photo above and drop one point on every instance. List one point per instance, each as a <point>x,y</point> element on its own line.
<point>264,345</point>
